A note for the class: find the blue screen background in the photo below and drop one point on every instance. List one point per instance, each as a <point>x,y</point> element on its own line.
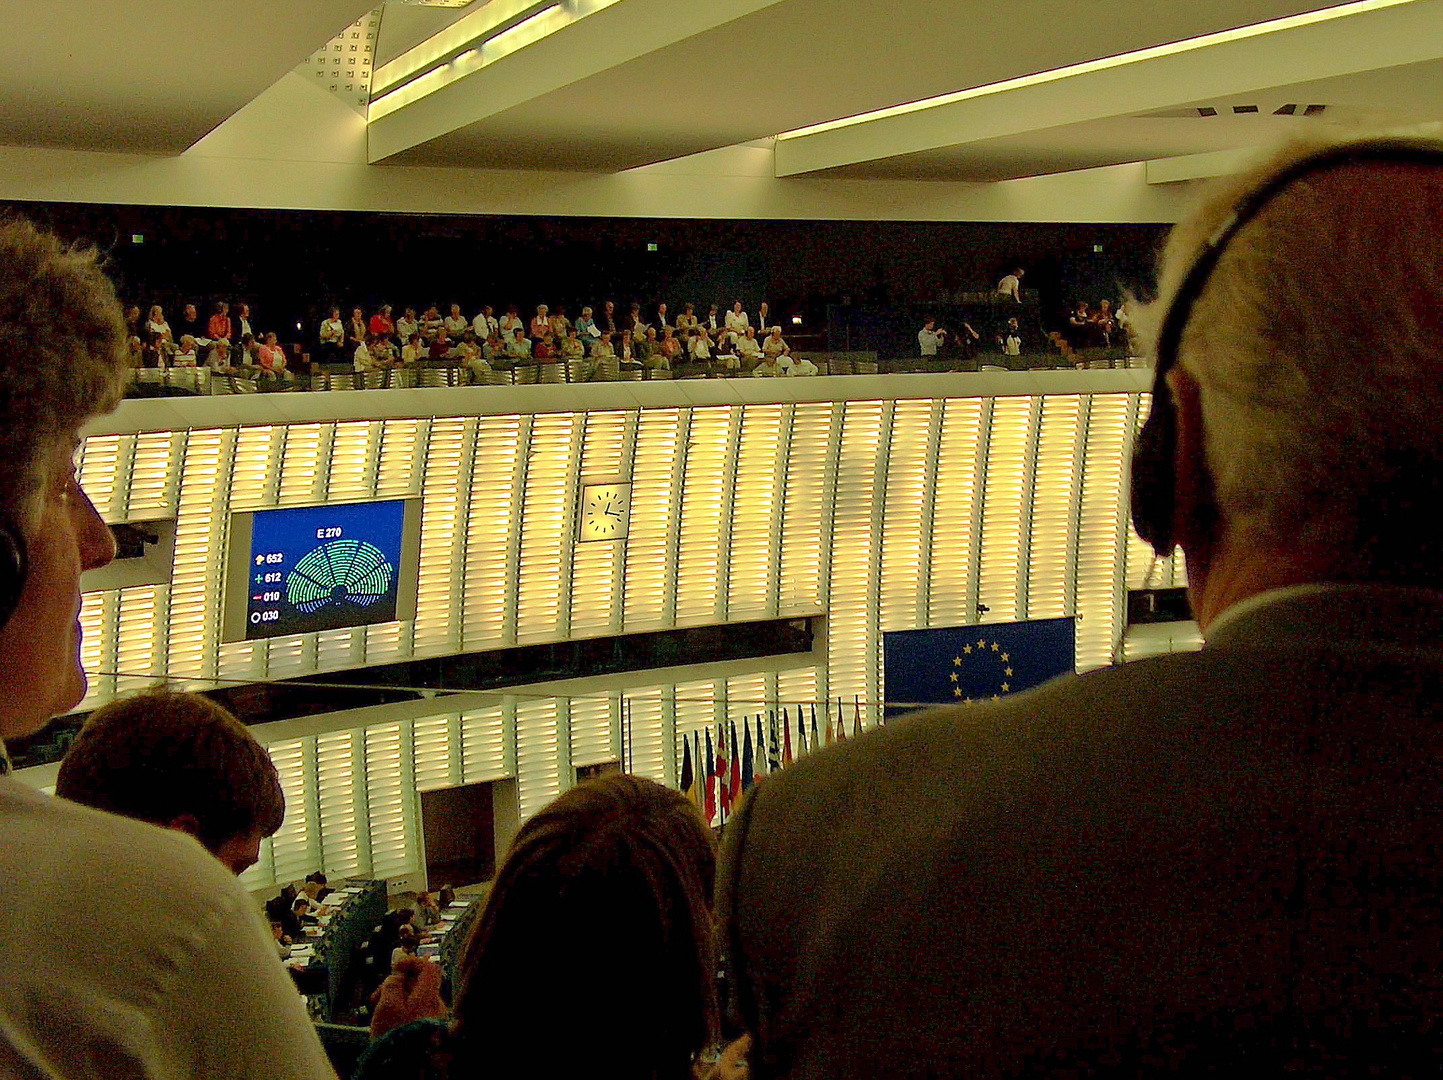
<point>282,538</point>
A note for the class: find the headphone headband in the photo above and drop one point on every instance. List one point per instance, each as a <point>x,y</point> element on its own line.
<point>1152,464</point>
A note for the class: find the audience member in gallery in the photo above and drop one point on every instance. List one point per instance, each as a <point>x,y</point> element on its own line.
<point>1010,286</point>
<point>413,350</point>
<point>617,855</point>
<point>135,354</point>
<point>431,324</point>
<point>364,359</point>
<point>736,321</point>
<point>543,350</point>
<point>407,325</point>
<point>774,345</point>
<point>587,329</point>
<point>332,335</point>
<point>670,347</point>
<point>510,323</point>
<point>713,323</point>
<point>151,957</point>
<point>219,327</point>
<point>455,323</point>
<point>484,325</point>
<point>687,319</point>
<point>766,367</point>
<point>381,324</point>
<point>661,322</point>
<point>158,328</point>
<point>603,349</point>
<point>441,345</point>
<point>271,356</point>
<point>559,323</point>
<point>572,349</point>
<point>748,347</point>
<point>186,353</point>
<point>541,322</point>
<point>519,347</point>
<point>218,359</point>
<point>357,332</point>
<point>1224,860</point>
<point>607,320</point>
<point>701,345</point>
<point>796,365</point>
<point>243,319</point>
<point>763,314</point>
<point>189,323</point>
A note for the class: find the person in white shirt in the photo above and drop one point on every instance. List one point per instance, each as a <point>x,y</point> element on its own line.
<point>407,324</point>
<point>774,346</point>
<point>930,339</point>
<point>749,348</point>
<point>509,323</point>
<point>766,368</point>
<point>485,324</point>
<point>1011,286</point>
<point>413,350</point>
<point>800,365</point>
<point>736,321</point>
<point>363,358</point>
<point>456,324</point>
<point>157,960</point>
<point>701,346</point>
<point>332,334</point>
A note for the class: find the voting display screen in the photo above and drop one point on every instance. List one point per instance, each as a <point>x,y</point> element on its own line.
<point>311,568</point>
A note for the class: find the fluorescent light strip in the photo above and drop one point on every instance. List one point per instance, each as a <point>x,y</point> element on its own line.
<point>1154,52</point>
<point>469,45</point>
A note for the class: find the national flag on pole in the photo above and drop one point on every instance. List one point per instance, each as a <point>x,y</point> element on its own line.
<point>774,753</point>
<point>748,778</point>
<point>697,797</point>
<point>735,795</point>
<point>963,665</point>
<point>688,777</point>
<point>786,740</point>
<point>802,747</point>
<point>856,716</point>
<point>761,759</point>
<point>723,772</point>
<point>709,803</point>
<point>830,733</point>
<point>816,742</point>
<point>841,723</point>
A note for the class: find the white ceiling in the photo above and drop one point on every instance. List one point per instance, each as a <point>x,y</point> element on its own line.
<point>152,76</point>
<point>642,81</point>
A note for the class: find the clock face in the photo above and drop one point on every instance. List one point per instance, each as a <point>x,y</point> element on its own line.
<point>605,511</point>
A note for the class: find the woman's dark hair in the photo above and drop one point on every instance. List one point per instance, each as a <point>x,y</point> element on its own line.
<point>598,931</point>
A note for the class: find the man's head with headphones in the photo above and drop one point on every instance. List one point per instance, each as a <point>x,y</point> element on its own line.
<point>62,342</point>
<point>1297,433</point>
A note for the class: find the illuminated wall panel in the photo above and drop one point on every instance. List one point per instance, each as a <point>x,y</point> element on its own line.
<point>698,583</point>
<point>650,548</point>
<point>876,514</point>
<point>753,545</point>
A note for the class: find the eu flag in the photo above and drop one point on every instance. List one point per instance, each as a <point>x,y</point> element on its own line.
<point>965,664</point>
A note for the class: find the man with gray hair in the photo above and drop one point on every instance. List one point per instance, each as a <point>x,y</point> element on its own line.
<point>1223,860</point>
<point>100,976</point>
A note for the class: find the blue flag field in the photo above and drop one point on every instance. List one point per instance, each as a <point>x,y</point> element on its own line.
<point>961,665</point>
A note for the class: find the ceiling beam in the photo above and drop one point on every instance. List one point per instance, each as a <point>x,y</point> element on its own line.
<point>1349,39</point>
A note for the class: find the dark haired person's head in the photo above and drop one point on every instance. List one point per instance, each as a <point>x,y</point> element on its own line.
<point>62,359</point>
<point>180,761</point>
<point>617,862</point>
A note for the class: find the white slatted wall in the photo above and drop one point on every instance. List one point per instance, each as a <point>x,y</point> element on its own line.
<point>880,515</point>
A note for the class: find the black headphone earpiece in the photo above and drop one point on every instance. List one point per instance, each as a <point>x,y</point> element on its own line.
<point>1153,492</point>
<point>14,564</point>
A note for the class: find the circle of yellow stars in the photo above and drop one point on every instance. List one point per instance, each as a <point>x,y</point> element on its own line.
<point>982,648</point>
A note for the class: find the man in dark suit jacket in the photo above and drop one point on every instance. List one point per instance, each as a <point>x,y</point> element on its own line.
<point>1224,860</point>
